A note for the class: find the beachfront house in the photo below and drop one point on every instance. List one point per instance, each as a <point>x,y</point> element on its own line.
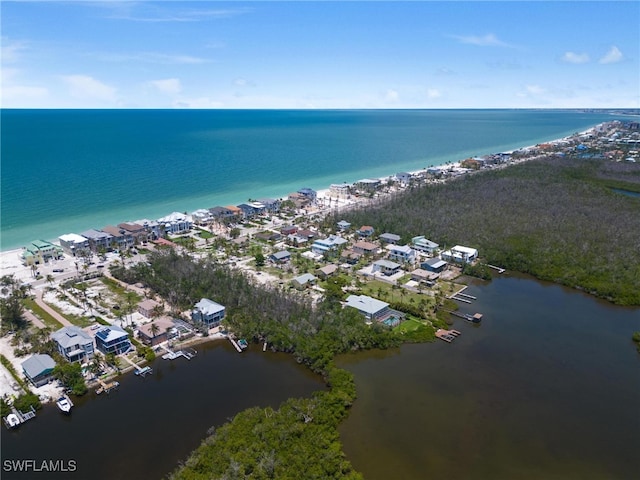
<point>98,241</point>
<point>248,210</point>
<point>154,229</point>
<point>371,308</point>
<point>122,239</point>
<point>270,205</point>
<point>423,245</point>
<point>340,190</point>
<point>40,251</point>
<point>404,177</point>
<point>309,193</point>
<point>38,369</point>
<point>74,244</point>
<point>74,344</point>
<point>137,231</point>
<point>401,253</point>
<point>208,312</point>
<point>368,184</point>
<point>460,254</point>
<point>112,339</point>
<point>385,267</point>
<point>324,246</point>
<point>176,223</point>
<point>221,213</point>
<point>202,216</point>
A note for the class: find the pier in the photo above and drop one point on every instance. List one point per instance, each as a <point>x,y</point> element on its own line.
<point>16,417</point>
<point>462,297</point>
<point>264,347</point>
<point>188,353</point>
<point>500,270</point>
<point>475,318</point>
<point>447,335</point>
<point>235,344</point>
<point>106,387</point>
<point>141,371</point>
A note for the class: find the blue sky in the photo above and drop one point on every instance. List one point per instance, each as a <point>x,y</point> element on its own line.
<point>263,54</point>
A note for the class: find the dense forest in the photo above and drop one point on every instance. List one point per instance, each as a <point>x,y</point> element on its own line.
<point>300,439</point>
<point>558,219</point>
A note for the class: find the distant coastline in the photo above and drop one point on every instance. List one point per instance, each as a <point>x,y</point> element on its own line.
<point>16,238</point>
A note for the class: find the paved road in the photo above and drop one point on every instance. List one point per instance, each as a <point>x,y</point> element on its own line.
<point>41,303</point>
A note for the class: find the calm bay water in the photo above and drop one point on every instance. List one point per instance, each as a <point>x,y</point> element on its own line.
<point>69,170</point>
<point>148,425</point>
<point>548,387</point>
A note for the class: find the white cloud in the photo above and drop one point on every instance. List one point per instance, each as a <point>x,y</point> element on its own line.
<point>535,89</point>
<point>614,55</point>
<point>11,50</point>
<point>433,93</point>
<point>243,82</point>
<point>488,40</point>
<point>201,102</point>
<point>88,88</point>
<point>169,86</point>
<point>391,95</point>
<point>571,57</point>
<point>151,57</point>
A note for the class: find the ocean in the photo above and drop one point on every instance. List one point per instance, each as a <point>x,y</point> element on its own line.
<point>65,171</point>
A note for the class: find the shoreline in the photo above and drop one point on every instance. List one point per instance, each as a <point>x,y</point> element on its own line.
<point>5,254</point>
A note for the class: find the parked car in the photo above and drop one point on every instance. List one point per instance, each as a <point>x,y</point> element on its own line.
<point>58,270</point>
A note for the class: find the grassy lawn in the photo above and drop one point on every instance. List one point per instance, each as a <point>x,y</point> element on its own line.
<point>408,325</point>
<point>204,234</point>
<point>48,320</point>
<point>385,292</point>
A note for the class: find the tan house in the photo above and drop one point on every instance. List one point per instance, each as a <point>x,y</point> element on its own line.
<point>146,307</point>
<point>155,332</point>
<point>327,271</point>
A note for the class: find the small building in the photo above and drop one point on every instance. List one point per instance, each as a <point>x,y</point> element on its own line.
<point>208,312</point>
<point>74,344</point>
<point>386,267</point>
<point>424,276</point>
<point>74,244</point>
<point>423,245</point>
<point>288,230</point>
<point>304,281</point>
<point>371,308</point>
<point>156,332</point>
<point>38,369</point>
<point>365,231</point>
<point>329,244</point>
<point>343,225</point>
<point>404,177</point>
<point>268,236</point>
<point>365,248</point>
<point>390,238</point>
<point>113,339</point>
<point>401,253</point>
<point>306,233</point>
<point>460,254</point>
<point>280,257</point>
<point>350,257</point>
<point>435,265</point>
<point>148,307</point>
<point>327,271</point>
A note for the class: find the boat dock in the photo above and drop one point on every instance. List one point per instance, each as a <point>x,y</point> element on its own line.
<point>447,335</point>
<point>16,417</point>
<point>106,387</point>
<point>143,371</point>
<point>235,344</point>
<point>462,297</point>
<point>264,347</point>
<point>500,270</point>
<point>475,318</point>
<point>188,353</point>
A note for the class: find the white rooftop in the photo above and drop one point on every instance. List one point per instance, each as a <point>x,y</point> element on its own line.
<point>365,304</point>
<point>72,237</point>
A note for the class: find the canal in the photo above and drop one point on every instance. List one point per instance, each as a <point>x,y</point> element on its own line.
<point>148,425</point>
<point>548,386</point>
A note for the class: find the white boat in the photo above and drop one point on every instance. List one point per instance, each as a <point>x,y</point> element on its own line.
<point>12,420</point>
<point>64,404</point>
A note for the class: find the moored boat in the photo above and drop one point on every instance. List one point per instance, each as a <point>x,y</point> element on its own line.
<point>64,403</point>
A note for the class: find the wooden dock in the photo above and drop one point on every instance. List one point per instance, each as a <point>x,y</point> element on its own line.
<point>447,335</point>
<point>500,270</point>
<point>189,353</point>
<point>17,418</point>
<point>475,318</point>
<point>106,387</point>
<point>235,344</point>
<point>264,347</point>
<point>143,371</point>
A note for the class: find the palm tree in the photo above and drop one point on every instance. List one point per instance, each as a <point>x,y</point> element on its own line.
<point>49,279</point>
<point>154,330</point>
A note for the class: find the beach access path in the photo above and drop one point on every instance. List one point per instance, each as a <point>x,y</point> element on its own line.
<point>42,304</point>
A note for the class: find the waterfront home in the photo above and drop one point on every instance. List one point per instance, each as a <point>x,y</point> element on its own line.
<point>74,244</point>
<point>208,312</point>
<point>309,193</point>
<point>112,339</point>
<point>148,307</point>
<point>326,245</point>
<point>368,184</point>
<point>327,271</point>
<point>423,245</point>
<point>221,212</point>
<point>460,254</point>
<point>435,265</point>
<point>122,239</point>
<point>74,344</point>
<point>386,267</point>
<point>137,231</point>
<point>202,216</point>
<point>343,225</point>
<point>270,205</point>
<point>98,241</point>
<point>390,238</point>
<point>156,332</point>
<point>299,200</point>
<point>154,229</point>
<point>339,190</point>
<point>40,251</point>
<point>365,231</point>
<point>371,308</point>
<point>401,253</point>
<point>365,248</point>
<point>176,223</point>
<point>280,257</point>
<point>423,276</point>
<point>38,369</point>
<point>248,210</point>
<point>404,177</point>
<point>304,281</point>
<point>237,212</point>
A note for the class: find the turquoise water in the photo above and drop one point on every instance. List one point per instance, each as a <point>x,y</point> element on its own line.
<point>69,170</point>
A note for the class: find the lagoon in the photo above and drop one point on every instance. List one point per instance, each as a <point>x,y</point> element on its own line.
<point>547,387</point>
<point>148,425</point>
